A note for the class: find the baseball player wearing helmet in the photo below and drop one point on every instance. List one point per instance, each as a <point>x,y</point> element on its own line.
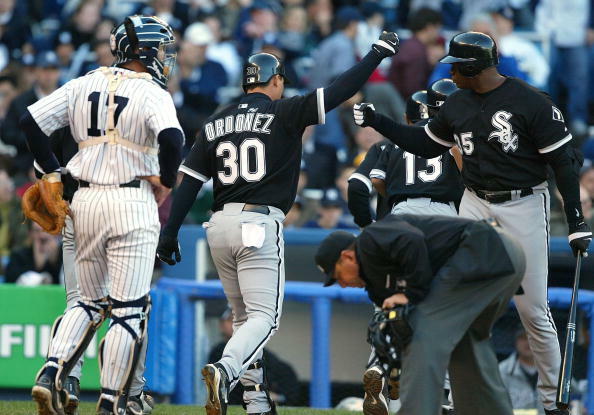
<point>64,148</point>
<point>252,151</point>
<point>507,132</point>
<point>129,148</point>
<point>416,186</point>
<point>458,276</point>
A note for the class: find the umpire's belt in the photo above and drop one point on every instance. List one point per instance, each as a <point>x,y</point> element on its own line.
<point>502,196</point>
<point>133,183</point>
<point>248,207</point>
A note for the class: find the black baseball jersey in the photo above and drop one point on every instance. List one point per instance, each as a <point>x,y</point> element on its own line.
<point>252,150</point>
<point>501,134</point>
<point>362,174</point>
<point>410,176</point>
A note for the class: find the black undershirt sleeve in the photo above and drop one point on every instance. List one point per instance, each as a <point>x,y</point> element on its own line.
<point>358,202</point>
<point>349,82</point>
<point>566,163</point>
<point>409,138</point>
<point>38,143</point>
<point>184,198</point>
<point>170,154</point>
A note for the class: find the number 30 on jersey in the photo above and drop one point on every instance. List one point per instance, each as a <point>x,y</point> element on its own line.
<point>250,163</point>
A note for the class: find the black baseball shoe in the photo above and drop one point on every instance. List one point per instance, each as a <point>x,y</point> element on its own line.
<point>72,388</point>
<point>141,404</point>
<point>217,389</point>
<point>374,384</point>
<point>447,411</point>
<point>49,400</point>
<point>104,407</point>
<point>556,412</point>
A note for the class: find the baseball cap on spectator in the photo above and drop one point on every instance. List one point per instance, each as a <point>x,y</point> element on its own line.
<point>329,252</point>
<point>198,34</point>
<point>506,12</point>
<point>347,14</point>
<point>47,59</point>
<point>371,8</point>
<point>271,5</point>
<point>64,38</point>
<point>331,198</point>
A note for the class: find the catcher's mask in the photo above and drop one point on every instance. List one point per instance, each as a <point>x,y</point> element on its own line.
<point>389,333</point>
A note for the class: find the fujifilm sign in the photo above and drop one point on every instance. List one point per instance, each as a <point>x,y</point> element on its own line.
<point>30,341</point>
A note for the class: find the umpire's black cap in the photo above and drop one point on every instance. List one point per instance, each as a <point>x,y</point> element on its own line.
<point>329,252</point>
<point>260,68</point>
<point>475,51</point>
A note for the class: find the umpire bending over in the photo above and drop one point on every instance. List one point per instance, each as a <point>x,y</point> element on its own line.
<point>460,275</point>
<point>252,151</point>
<point>507,132</point>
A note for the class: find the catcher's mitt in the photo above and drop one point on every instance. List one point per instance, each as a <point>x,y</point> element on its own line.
<point>43,203</point>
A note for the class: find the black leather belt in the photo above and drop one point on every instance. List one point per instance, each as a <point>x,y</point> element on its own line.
<point>133,183</point>
<point>404,199</point>
<point>502,196</point>
<point>265,210</point>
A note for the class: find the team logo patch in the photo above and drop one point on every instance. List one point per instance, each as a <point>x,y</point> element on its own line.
<point>557,114</point>
<point>504,134</point>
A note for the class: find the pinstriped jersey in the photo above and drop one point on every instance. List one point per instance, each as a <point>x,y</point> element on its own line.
<point>501,134</point>
<point>142,111</point>
<point>252,150</point>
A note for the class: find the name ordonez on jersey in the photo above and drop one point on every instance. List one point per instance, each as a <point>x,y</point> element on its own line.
<point>251,121</point>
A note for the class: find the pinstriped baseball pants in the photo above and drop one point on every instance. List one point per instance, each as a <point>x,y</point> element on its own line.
<point>73,297</point>
<point>116,232</point>
<point>253,279</point>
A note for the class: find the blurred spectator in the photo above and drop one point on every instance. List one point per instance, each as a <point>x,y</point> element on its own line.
<point>519,375</point>
<point>46,81</point>
<point>342,181</point>
<point>223,51</point>
<point>175,13</point>
<point>39,263</point>
<point>330,212</point>
<point>65,51</point>
<point>507,66</point>
<point>364,138</point>
<point>530,59</point>
<point>200,79</point>
<point>411,68</point>
<point>587,181</point>
<point>293,35</point>
<point>293,217</point>
<point>320,14</point>
<point>283,382</point>
<point>12,232</point>
<point>566,23</point>
<point>369,29</point>
<point>8,91</point>
<point>258,26</point>
<point>14,30</point>
<point>100,55</point>
<point>84,22</point>
<point>336,54</point>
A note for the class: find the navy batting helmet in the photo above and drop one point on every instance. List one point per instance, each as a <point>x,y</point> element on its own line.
<point>438,93</point>
<point>149,40</point>
<point>416,107</point>
<point>260,68</point>
<point>474,51</point>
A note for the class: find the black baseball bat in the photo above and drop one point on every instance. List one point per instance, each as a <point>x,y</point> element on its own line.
<point>564,384</point>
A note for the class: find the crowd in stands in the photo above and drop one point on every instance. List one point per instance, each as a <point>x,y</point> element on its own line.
<point>46,43</point>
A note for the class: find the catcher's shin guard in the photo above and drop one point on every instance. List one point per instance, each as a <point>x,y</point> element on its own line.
<point>97,312</point>
<point>120,396</point>
<point>260,387</point>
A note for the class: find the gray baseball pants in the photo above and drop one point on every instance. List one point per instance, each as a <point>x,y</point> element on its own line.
<point>527,219</point>
<point>248,251</point>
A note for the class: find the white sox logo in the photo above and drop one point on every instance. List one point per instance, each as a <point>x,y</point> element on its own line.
<point>504,134</point>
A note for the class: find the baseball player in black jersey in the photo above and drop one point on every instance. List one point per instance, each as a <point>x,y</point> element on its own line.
<point>252,151</point>
<point>458,275</point>
<point>507,132</point>
<point>360,187</point>
<point>64,147</point>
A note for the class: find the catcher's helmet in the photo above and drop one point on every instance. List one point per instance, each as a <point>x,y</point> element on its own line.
<point>438,93</point>
<point>416,107</point>
<point>149,40</point>
<point>474,51</point>
<point>260,68</point>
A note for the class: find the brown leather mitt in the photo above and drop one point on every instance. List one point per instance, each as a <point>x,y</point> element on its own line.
<point>49,211</point>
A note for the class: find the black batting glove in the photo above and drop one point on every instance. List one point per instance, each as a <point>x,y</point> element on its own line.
<point>168,245</point>
<point>387,45</point>
<point>364,114</point>
<point>580,236</point>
